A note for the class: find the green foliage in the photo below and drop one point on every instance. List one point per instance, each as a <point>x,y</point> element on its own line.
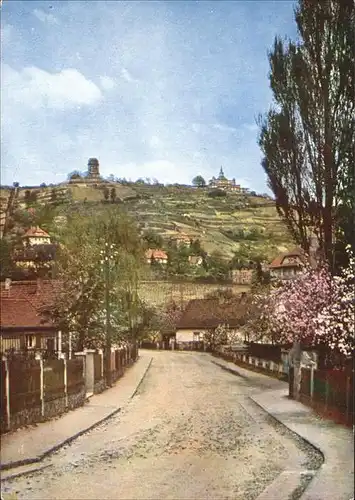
<point>308,138</point>
<point>113,194</point>
<point>217,193</point>
<point>198,181</point>
<point>80,306</point>
<point>75,175</point>
<point>30,198</point>
<point>216,266</point>
<point>153,239</point>
<point>6,263</point>
<point>106,193</point>
<point>178,261</point>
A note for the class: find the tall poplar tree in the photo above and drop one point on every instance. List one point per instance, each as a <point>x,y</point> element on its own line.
<point>308,137</point>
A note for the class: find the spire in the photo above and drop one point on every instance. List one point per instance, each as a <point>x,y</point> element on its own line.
<point>221,174</point>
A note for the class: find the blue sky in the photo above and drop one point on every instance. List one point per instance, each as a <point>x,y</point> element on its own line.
<point>163,90</point>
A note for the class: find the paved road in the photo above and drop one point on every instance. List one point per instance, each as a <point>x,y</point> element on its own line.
<point>191,432</point>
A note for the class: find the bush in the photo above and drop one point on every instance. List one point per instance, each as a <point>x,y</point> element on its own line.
<point>217,193</point>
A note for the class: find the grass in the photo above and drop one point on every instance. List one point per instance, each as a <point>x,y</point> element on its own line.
<point>160,207</point>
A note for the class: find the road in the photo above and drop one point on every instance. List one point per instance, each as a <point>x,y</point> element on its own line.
<point>191,432</point>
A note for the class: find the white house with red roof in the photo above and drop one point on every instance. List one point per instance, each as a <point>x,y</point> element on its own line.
<point>36,236</point>
<point>288,265</point>
<point>156,255</point>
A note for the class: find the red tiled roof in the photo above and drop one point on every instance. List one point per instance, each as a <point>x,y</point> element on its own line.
<point>155,254</point>
<point>20,313</point>
<point>296,252</point>
<point>209,313</point>
<point>36,232</point>
<point>39,293</point>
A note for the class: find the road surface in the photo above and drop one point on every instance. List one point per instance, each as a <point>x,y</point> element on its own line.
<point>191,432</point>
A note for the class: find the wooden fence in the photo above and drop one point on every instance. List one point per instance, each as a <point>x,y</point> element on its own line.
<point>331,392</point>
<point>33,390</point>
<point>268,367</point>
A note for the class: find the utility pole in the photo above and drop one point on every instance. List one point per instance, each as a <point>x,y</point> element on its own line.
<point>107,255</point>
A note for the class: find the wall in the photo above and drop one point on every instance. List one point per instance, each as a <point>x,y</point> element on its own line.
<point>186,335</point>
<point>161,292</point>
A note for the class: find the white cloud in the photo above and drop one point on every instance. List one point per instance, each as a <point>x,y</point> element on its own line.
<point>155,142</point>
<point>107,83</point>
<point>44,17</point>
<point>126,75</point>
<point>6,33</point>
<point>225,128</point>
<point>35,88</point>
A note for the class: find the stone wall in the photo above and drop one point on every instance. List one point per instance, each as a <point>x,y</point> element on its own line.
<point>27,416</point>
<point>77,399</point>
<point>158,293</point>
<point>99,386</point>
<point>54,408</point>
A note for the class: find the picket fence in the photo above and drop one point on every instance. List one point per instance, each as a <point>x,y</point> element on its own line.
<point>35,390</point>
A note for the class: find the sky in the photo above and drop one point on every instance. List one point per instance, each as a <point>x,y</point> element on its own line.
<point>155,89</point>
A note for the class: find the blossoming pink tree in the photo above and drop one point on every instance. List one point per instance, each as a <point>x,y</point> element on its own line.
<point>296,303</point>
<point>334,324</point>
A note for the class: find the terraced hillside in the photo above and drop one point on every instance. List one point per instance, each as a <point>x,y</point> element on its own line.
<point>222,224</point>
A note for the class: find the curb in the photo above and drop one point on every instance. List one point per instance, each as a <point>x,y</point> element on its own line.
<point>315,447</point>
<point>29,461</point>
<point>24,473</point>
<point>234,372</point>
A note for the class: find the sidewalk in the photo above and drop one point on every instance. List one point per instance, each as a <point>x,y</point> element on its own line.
<point>33,444</point>
<point>335,478</point>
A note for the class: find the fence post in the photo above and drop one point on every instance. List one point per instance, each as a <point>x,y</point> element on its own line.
<point>326,390</point>
<point>40,359</point>
<point>7,392</point>
<point>348,396</point>
<point>311,389</point>
<point>102,362</point>
<point>65,382</point>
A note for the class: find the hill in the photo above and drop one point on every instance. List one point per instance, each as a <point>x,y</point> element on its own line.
<point>221,224</point>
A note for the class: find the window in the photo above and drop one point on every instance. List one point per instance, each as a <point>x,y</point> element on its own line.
<point>196,336</point>
<point>30,341</point>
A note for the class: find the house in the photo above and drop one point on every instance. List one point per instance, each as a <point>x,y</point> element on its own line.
<point>159,256</point>
<point>288,265</point>
<point>37,250</point>
<point>36,236</point>
<point>195,260</point>
<point>181,239</point>
<point>242,276</point>
<point>201,315</point>
<point>22,324</point>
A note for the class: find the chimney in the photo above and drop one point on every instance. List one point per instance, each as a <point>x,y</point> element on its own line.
<point>8,284</point>
<point>39,283</point>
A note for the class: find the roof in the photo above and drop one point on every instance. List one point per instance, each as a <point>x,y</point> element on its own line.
<point>279,261</point>
<point>209,313</point>
<point>21,313</point>
<point>156,254</point>
<point>36,232</point>
<point>40,293</point>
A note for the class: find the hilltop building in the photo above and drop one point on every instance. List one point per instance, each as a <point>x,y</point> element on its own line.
<point>226,184</point>
<point>93,174</point>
